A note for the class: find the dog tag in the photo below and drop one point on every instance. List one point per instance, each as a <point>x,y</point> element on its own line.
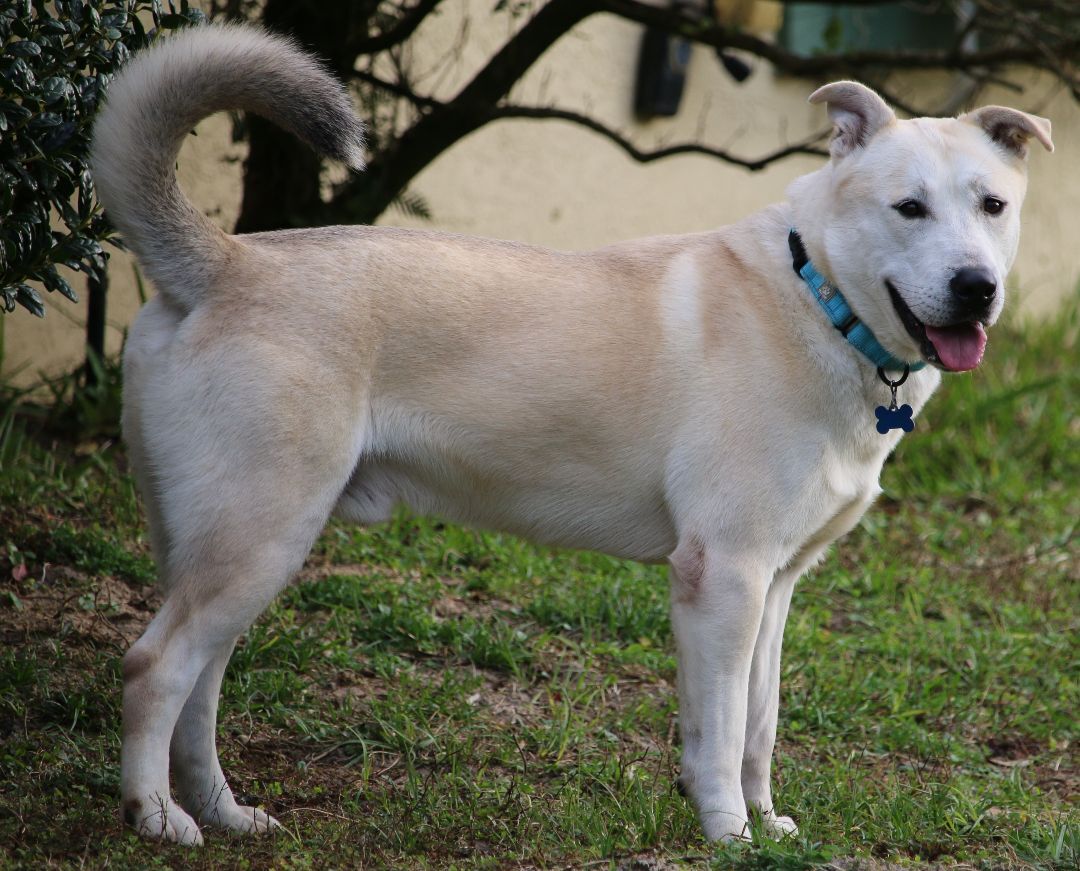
<point>894,417</point>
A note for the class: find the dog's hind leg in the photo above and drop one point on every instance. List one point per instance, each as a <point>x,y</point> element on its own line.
<point>201,786</point>
<point>159,671</point>
<point>150,338</point>
<point>242,497</point>
<point>170,674</point>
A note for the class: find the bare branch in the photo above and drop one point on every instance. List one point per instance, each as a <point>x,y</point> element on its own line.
<point>446,123</point>
<point>1036,33</point>
<point>691,25</point>
<point>398,89</point>
<point>804,146</point>
<point>405,26</point>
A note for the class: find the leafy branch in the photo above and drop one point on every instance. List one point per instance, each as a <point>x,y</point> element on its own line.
<point>54,67</point>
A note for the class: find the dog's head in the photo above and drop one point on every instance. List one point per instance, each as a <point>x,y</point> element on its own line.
<point>918,221</point>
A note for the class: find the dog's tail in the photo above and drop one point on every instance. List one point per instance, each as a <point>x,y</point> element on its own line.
<point>158,98</point>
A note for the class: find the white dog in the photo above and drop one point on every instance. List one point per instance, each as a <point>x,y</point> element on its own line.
<point>689,398</point>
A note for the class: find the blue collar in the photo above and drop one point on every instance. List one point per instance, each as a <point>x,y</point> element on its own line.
<point>839,312</point>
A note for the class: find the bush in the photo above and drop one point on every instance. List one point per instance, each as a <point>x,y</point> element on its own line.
<point>56,62</point>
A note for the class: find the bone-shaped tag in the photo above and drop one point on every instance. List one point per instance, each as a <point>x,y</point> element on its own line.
<point>894,418</point>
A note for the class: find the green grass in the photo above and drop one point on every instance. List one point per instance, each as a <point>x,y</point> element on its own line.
<point>429,696</point>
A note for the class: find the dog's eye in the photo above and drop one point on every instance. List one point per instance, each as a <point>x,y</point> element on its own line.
<point>911,209</point>
<point>993,206</point>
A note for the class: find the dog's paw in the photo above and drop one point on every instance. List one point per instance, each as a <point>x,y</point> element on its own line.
<point>163,821</point>
<point>724,826</point>
<point>239,818</point>
<point>779,827</point>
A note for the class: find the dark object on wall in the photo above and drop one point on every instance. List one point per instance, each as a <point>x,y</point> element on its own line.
<point>736,67</point>
<point>97,286</point>
<point>661,74</point>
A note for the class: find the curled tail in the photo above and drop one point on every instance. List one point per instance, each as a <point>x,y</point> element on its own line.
<point>159,97</point>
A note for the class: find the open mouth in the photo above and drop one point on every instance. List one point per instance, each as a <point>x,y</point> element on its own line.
<point>953,347</point>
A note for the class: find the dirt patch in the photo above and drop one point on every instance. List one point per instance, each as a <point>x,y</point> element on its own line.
<point>1012,750</point>
<point>103,610</point>
<point>508,702</point>
<point>318,568</point>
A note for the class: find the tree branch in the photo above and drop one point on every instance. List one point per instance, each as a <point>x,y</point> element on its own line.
<point>405,26</point>
<point>686,23</point>
<point>540,113</point>
<point>398,90</point>
<point>1040,39</point>
<point>804,146</point>
<point>446,123</point>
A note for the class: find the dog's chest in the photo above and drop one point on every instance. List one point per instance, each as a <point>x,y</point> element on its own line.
<point>834,477</point>
<point>839,481</point>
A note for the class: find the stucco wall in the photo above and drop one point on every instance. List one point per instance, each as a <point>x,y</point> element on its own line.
<point>552,183</point>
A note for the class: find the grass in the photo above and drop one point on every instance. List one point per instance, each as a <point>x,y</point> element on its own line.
<point>430,697</point>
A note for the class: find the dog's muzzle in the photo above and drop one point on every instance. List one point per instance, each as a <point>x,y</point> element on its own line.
<point>959,345</point>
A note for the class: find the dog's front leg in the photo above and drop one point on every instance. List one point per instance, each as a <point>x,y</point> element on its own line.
<point>764,704</point>
<point>716,607</point>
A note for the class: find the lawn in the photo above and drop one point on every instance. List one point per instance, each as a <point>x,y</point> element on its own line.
<point>426,696</point>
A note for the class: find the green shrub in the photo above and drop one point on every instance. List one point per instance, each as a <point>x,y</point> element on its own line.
<point>55,63</point>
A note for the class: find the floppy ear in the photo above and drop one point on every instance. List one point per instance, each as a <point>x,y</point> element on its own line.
<point>857,112</point>
<point>1011,128</point>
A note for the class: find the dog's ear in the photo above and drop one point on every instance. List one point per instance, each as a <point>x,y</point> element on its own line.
<point>1011,128</point>
<point>857,112</point>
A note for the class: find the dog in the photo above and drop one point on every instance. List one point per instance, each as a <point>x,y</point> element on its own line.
<point>706,399</point>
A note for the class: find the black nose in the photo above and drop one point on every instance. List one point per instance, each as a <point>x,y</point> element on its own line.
<point>973,286</point>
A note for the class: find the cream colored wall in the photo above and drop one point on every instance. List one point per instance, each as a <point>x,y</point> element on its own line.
<point>551,183</point>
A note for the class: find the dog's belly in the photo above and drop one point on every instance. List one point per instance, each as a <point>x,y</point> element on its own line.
<point>587,512</point>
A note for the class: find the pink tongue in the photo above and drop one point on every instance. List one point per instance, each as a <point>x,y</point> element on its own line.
<point>960,347</point>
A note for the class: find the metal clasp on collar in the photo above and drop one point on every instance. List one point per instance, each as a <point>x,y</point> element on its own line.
<point>894,417</point>
<point>893,384</point>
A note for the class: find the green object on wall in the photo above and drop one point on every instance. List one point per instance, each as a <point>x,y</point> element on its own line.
<point>816,28</point>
